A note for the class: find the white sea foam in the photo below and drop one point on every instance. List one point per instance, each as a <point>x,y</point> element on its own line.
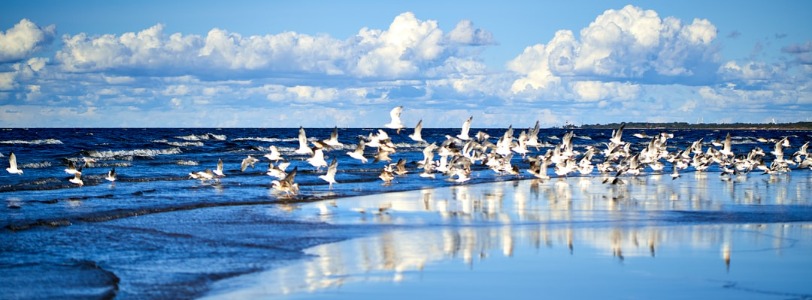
<point>180,144</point>
<point>132,153</point>
<point>38,165</point>
<point>187,163</point>
<point>269,140</point>
<point>33,142</point>
<point>203,137</point>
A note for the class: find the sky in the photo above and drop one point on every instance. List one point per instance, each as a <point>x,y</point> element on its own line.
<point>348,63</point>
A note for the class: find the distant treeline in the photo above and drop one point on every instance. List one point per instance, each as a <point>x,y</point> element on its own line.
<point>684,125</point>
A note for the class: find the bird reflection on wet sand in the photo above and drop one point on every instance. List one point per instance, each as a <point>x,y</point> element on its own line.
<point>519,220</point>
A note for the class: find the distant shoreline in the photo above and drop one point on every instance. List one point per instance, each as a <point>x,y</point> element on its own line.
<point>710,126</point>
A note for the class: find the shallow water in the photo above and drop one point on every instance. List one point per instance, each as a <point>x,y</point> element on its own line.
<point>155,233</point>
<point>515,239</point>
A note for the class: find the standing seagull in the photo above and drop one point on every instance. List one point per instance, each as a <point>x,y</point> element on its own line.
<point>395,123</point>
<point>12,165</point>
<point>111,175</point>
<point>466,126</point>
<point>330,177</point>
<point>303,148</point>
<point>417,136</point>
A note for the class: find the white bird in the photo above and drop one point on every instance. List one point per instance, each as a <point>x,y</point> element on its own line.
<point>12,165</point>
<point>333,140</point>
<point>330,177</point>
<point>395,123</point>
<point>287,185</point>
<point>246,162</point>
<point>77,179</point>
<point>417,136</point>
<point>303,148</point>
<point>274,155</point>
<point>466,126</point>
<point>71,169</point>
<point>278,170</point>
<point>726,151</point>
<point>617,135</point>
<point>359,152</point>
<point>219,170</point>
<point>317,160</point>
<point>202,175</point>
<point>111,175</point>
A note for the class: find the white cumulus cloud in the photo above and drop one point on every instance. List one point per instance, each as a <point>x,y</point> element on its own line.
<point>628,44</point>
<point>22,40</point>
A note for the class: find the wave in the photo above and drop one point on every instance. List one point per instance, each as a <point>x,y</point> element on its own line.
<point>187,163</point>
<point>180,144</point>
<point>39,165</point>
<point>33,142</point>
<point>268,140</point>
<point>202,137</point>
<point>125,154</point>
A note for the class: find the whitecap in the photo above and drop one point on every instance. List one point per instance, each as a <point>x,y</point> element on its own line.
<point>187,163</point>
<point>202,137</point>
<point>131,153</point>
<point>34,142</point>
<point>38,165</point>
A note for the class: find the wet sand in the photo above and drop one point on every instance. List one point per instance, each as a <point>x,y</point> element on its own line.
<point>697,236</point>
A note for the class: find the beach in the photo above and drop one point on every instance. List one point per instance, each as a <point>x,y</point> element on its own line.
<point>697,236</point>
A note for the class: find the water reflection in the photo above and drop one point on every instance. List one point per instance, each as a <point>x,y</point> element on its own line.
<point>580,217</point>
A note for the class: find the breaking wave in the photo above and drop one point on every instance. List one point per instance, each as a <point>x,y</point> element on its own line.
<point>202,137</point>
<point>34,142</point>
<point>132,153</point>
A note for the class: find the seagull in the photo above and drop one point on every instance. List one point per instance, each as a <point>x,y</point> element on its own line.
<point>466,126</point>
<point>417,136</point>
<point>333,140</point>
<point>303,148</point>
<point>111,175</point>
<point>12,165</point>
<point>77,179</point>
<point>248,161</point>
<point>71,169</point>
<point>617,135</point>
<point>675,174</point>
<point>317,160</point>
<point>386,174</point>
<point>274,155</point>
<point>202,175</point>
<point>726,146</point>
<point>358,153</point>
<point>401,167</point>
<point>219,170</point>
<point>395,123</point>
<point>277,170</point>
<point>287,185</point>
<point>330,177</point>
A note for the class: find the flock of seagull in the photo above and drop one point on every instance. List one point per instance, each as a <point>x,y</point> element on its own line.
<point>458,153</point>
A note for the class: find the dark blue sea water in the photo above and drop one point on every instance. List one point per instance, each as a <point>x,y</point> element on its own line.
<point>154,165</point>
<point>152,234</point>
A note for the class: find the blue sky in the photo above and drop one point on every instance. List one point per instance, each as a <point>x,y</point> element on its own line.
<point>347,63</point>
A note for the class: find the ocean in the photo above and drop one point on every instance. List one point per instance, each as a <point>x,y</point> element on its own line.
<point>157,233</point>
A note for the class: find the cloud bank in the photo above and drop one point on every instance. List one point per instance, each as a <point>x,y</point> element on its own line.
<point>629,64</point>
